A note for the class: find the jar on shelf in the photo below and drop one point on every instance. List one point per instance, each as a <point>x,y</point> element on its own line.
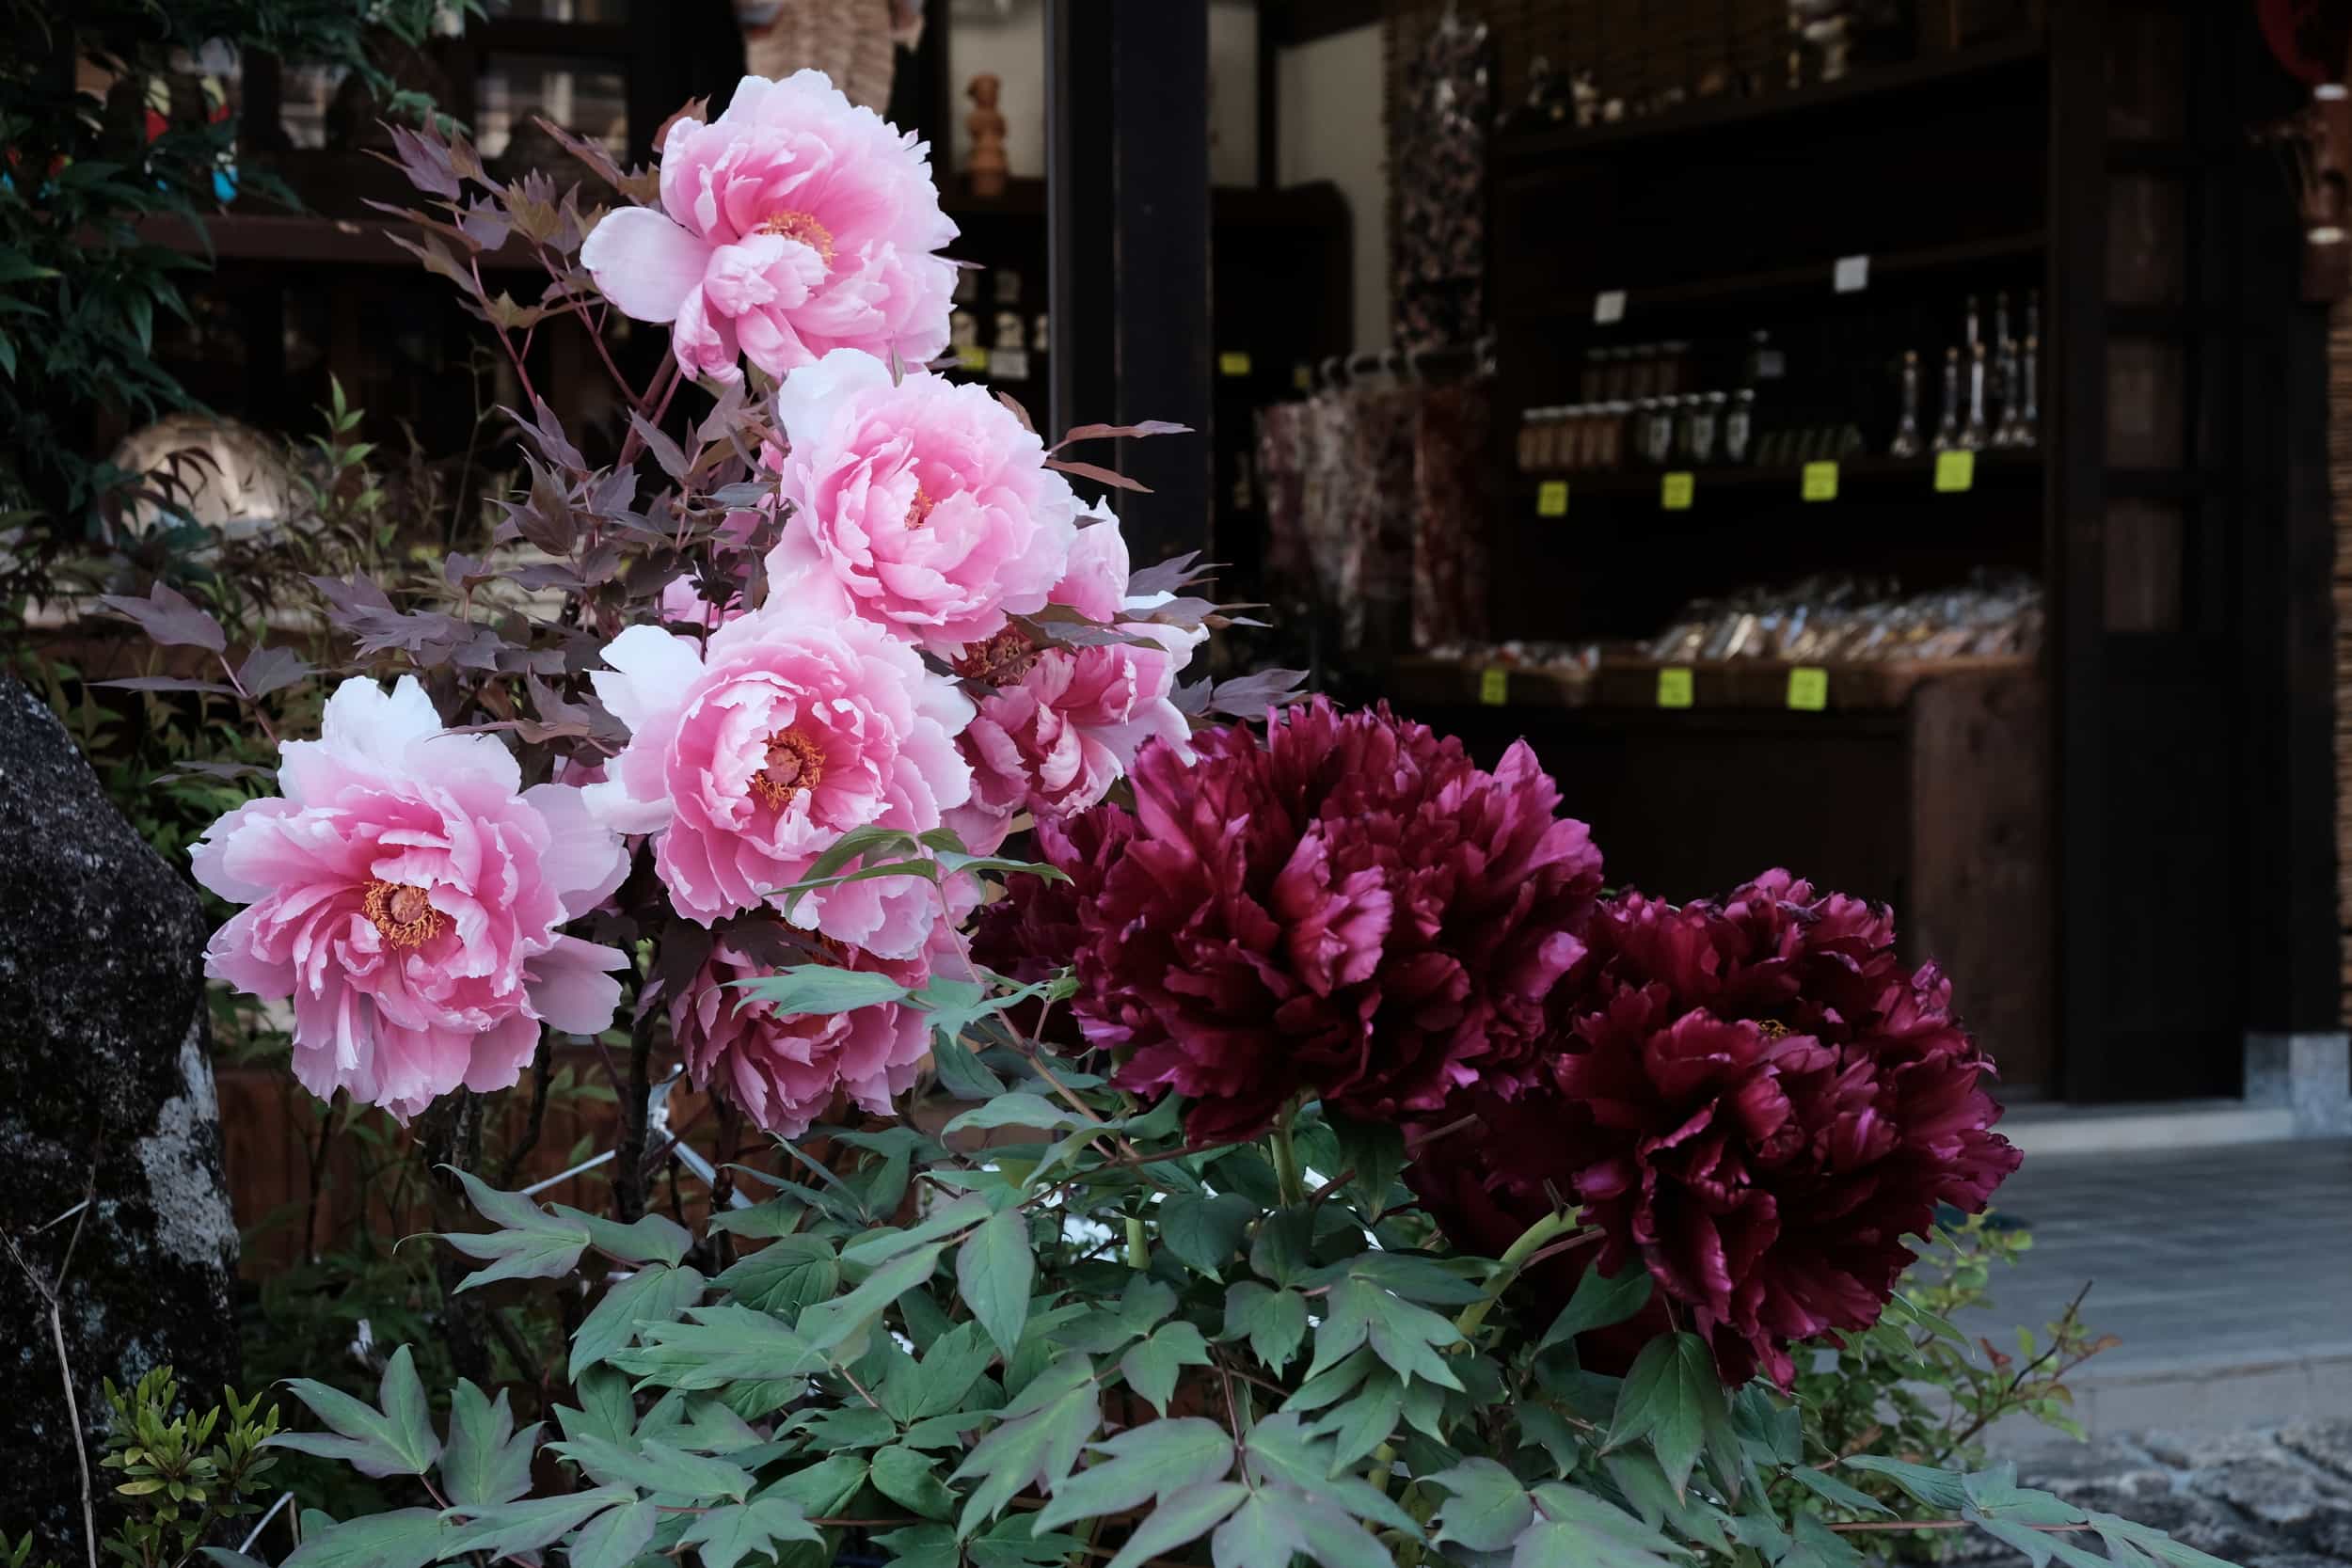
<point>1614,418</point>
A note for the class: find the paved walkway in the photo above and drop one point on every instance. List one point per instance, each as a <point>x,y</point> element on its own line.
<point>2226,1273</point>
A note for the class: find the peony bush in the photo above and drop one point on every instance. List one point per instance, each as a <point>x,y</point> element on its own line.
<point>1206,1128</point>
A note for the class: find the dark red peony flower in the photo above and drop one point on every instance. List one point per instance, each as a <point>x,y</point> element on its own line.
<point>1350,909</point>
<point>1753,1099</point>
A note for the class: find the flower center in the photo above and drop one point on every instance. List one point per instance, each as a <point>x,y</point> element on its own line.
<point>1001,660</point>
<point>794,763</point>
<point>919,508</point>
<point>402,913</point>
<point>1772,1028</point>
<point>805,228</point>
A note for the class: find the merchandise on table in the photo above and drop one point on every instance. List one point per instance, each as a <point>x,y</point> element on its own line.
<point>1839,619</point>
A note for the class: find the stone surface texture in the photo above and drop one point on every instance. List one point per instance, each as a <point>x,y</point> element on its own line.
<point>2276,1497</point>
<point>106,1078</point>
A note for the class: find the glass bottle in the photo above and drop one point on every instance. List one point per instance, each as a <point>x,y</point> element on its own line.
<point>1662,429</point>
<point>2004,365</point>
<point>1906,441</point>
<point>1948,428</point>
<point>1972,434</point>
<point>1739,426</point>
<point>2027,419</point>
<point>1612,423</point>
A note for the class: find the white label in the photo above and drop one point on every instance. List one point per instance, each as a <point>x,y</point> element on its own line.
<point>1009,364</point>
<point>1852,274</point>
<point>1608,305</point>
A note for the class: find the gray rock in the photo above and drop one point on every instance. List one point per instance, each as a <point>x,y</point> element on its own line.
<point>2326,1444</point>
<point>108,1077</point>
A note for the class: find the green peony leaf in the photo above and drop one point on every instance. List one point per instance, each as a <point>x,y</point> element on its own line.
<point>1359,1313</point>
<point>1153,1461</point>
<point>782,1277</point>
<point>877,1248</point>
<point>1944,1490</point>
<point>1361,1424</point>
<point>922,1546</point>
<point>1037,1440</point>
<point>1274,1321</point>
<point>1671,1396</point>
<point>653,1467</point>
<point>1152,1368</point>
<point>1281,1251</point>
<point>916,1391</point>
<point>654,1294</point>
<point>612,1539</point>
<point>961,1072</point>
<point>728,1535</point>
<point>1489,1509</point>
<point>405,1538</point>
<point>506,1529</point>
<point>1183,1517</point>
<point>1598,1303</point>
<point>486,1460</point>
<point>912,1479</point>
<point>1830,1489</point>
<point>1029,1111</point>
<point>717,1346</point>
<point>397,1440</point>
<point>1279,1450</point>
<point>1204,1232</point>
<point>993,1271</point>
<point>831,1324</point>
<point>1374,1152</point>
<point>822,989</point>
<point>1579,1531</point>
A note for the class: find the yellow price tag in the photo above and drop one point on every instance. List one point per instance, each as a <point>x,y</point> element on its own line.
<point>1302,378</point>
<point>1808,688</point>
<point>1821,482</point>
<point>1552,499</point>
<point>1494,686</point>
<point>972,356</point>
<point>1674,687</point>
<point>1233,362</point>
<point>1674,491</point>
<point>1955,470</point>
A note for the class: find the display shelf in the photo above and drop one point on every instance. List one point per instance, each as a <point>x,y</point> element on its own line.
<point>1626,688</point>
<point>1868,87</point>
<point>1778,283</point>
<point>1876,476</point>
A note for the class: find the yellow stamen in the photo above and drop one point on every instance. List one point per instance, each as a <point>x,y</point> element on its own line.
<point>805,228</point>
<point>403,913</point>
<point>794,763</point>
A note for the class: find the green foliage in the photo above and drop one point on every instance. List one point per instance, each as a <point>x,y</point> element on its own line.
<point>180,1475</point>
<point>82,274</point>
<point>1915,1388</point>
<point>1073,1333</point>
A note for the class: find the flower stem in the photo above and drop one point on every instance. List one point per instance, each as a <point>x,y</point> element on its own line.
<point>1138,1249</point>
<point>1286,1177</point>
<point>1529,1242</point>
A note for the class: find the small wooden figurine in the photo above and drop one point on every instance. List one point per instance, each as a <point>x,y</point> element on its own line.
<point>985,162</point>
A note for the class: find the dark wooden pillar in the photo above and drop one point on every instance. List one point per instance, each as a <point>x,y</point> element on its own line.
<point>1127,175</point>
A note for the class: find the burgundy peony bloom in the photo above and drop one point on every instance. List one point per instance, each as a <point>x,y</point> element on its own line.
<point>1755,1101</point>
<point>1350,909</point>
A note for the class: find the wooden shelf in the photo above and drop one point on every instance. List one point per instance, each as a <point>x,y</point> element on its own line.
<point>1810,278</point>
<point>1734,693</point>
<point>1866,87</point>
<point>1878,476</point>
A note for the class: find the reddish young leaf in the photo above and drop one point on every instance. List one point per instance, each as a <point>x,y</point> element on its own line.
<point>169,683</point>
<point>1140,430</point>
<point>1100,476</point>
<point>169,618</point>
<point>588,152</point>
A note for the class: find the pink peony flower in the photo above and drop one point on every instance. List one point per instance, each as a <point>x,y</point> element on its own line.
<point>785,1070</point>
<point>405,892</point>
<point>794,224</point>
<point>751,756</point>
<point>1064,723</point>
<point>927,502</point>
